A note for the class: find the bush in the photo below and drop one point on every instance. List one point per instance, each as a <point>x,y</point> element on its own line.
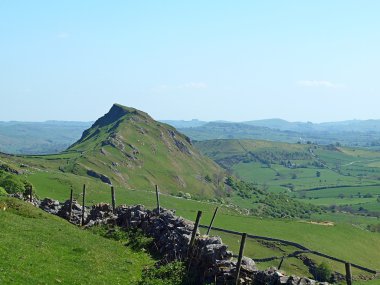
<point>323,272</point>
<point>12,184</point>
<point>3,192</point>
<point>187,196</point>
<point>173,273</point>
<point>374,228</point>
<point>208,178</point>
<point>133,238</point>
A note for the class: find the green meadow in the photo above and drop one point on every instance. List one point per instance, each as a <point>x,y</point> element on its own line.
<point>333,240</point>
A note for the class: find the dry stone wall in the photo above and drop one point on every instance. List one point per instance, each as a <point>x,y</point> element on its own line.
<point>209,258</point>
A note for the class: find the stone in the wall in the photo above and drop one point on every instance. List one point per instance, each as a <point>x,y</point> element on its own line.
<point>51,206</point>
<point>101,214</point>
<point>76,212</point>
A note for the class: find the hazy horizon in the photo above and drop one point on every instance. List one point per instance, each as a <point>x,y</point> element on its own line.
<point>194,119</point>
<point>234,61</point>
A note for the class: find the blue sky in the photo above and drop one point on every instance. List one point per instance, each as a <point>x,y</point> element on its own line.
<point>232,60</point>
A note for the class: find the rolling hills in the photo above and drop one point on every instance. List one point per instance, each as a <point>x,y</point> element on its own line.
<point>55,136</point>
<point>359,133</point>
<point>322,175</point>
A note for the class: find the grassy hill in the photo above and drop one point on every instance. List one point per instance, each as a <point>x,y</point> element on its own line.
<point>133,150</point>
<point>39,248</point>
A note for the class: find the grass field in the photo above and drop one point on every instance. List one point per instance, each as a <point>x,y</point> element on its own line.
<point>48,250</point>
<point>333,240</point>
<point>330,240</point>
<point>347,232</point>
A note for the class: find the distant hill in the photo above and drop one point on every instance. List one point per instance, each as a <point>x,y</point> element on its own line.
<point>39,137</point>
<point>360,126</point>
<point>184,124</point>
<point>222,130</point>
<point>351,133</point>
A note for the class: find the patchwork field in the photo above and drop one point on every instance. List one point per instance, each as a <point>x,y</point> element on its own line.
<point>321,175</point>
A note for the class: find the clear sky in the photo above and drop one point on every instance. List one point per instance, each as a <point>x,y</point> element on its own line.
<point>229,60</point>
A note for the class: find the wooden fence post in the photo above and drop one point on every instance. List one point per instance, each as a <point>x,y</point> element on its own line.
<point>83,202</point>
<point>348,273</point>
<point>196,225</point>
<point>212,220</point>
<point>31,194</point>
<point>282,260</point>
<point>158,200</point>
<point>113,199</point>
<point>71,203</point>
<point>241,251</point>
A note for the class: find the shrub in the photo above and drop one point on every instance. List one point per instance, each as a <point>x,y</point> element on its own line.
<point>208,178</point>
<point>3,192</point>
<point>374,228</point>
<point>323,272</point>
<point>12,184</point>
<point>187,196</point>
<point>133,238</point>
<point>170,274</point>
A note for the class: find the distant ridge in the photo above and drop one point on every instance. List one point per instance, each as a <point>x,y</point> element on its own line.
<point>350,133</point>
<point>55,136</point>
<point>39,137</point>
<point>184,124</point>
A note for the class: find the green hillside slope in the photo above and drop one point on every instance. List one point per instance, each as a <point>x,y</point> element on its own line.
<point>39,248</point>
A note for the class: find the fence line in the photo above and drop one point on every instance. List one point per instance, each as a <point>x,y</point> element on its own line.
<point>297,245</point>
